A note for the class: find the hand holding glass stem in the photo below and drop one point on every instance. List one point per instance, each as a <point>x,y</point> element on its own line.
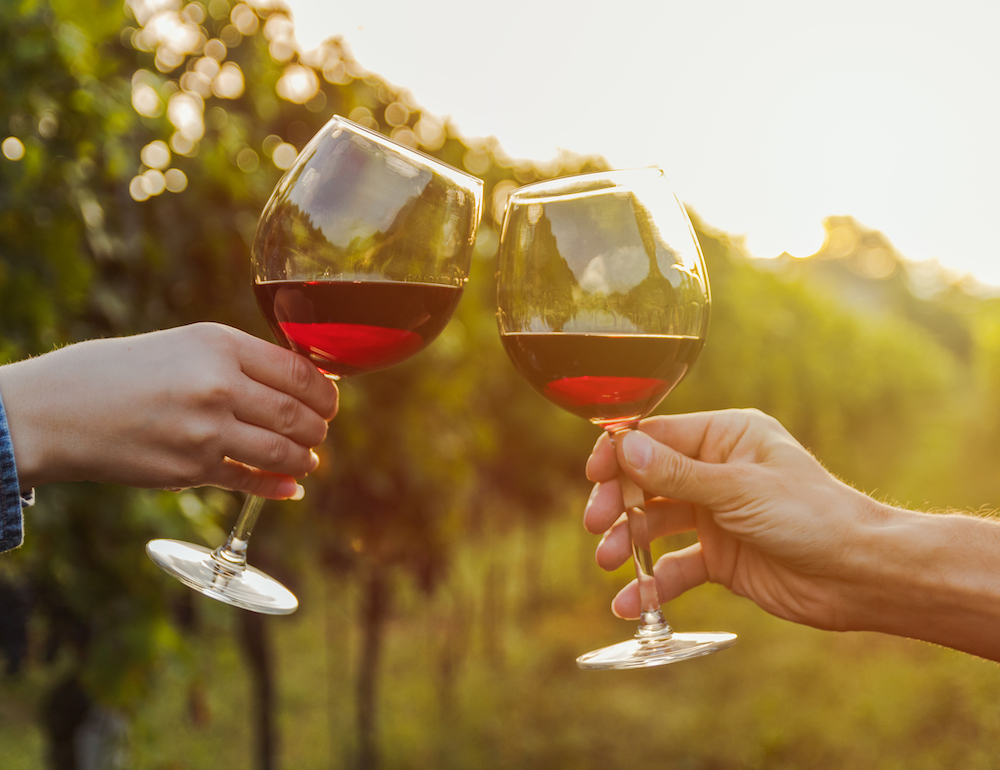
<point>603,306</point>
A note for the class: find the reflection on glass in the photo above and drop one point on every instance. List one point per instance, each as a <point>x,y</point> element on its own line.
<point>355,207</point>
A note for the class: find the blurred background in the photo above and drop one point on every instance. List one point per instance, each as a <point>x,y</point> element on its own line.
<point>446,584</point>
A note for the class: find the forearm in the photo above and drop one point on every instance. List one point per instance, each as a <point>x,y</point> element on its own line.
<point>934,577</point>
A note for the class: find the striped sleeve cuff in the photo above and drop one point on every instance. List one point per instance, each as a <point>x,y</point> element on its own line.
<point>11,500</point>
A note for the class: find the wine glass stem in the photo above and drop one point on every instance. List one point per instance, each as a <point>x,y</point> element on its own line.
<point>652,623</point>
<point>233,552</point>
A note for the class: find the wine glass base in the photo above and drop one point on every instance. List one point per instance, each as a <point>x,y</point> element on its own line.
<point>656,651</point>
<point>244,587</point>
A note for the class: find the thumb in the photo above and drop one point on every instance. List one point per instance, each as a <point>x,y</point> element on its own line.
<point>663,471</point>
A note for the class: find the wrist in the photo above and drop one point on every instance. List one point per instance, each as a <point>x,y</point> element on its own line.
<point>24,398</point>
<point>928,576</point>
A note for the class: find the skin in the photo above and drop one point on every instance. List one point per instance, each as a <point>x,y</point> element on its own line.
<point>774,526</point>
<point>197,405</point>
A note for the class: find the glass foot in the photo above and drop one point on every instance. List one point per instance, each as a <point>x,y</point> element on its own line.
<point>244,587</point>
<point>656,651</point>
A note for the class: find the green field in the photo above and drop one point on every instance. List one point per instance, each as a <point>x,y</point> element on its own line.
<point>783,697</point>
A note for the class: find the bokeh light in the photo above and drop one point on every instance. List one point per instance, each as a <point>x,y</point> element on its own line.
<point>216,49</point>
<point>396,114</point>
<point>228,84</point>
<point>185,111</point>
<point>181,144</point>
<point>146,101</point>
<point>247,160</point>
<point>279,31</point>
<point>363,117</point>
<point>207,66</point>
<point>137,189</point>
<point>270,142</point>
<point>175,179</point>
<point>284,155</point>
<point>197,83</point>
<point>156,154</point>
<point>13,148</point>
<point>153,181</point>
<point>48,124</point>
<point>476,161</point>
<point>244,19</point>
<point>194,12</point>
<point>231,36</point>
<point>430,132</point>
<point>500,194</point>
<point>298,84</point>
<point>171,34</point>
<point>404,136</point>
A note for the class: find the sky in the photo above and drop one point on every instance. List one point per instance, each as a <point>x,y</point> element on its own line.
<point>767,115</point>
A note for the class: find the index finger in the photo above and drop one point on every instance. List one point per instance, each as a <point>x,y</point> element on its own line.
<point>288,372</point>
<point>602,465</point>
<point>684,433</point>
<point>706,436</point>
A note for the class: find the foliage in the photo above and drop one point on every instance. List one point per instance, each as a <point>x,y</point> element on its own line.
<point>151,142</point>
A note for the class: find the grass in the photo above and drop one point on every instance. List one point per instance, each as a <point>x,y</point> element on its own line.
<point>463,686</point>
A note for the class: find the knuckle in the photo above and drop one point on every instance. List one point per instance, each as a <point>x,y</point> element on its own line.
<point>276,451</point>
<point>287,412</point>
<point>757,418</point>
<point>213,390</point>
<point>200,438</point>
<point>209,334</point>
<point>676,469</point>
<point>300,372</point>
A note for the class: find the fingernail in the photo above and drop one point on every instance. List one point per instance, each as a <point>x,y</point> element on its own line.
<point>590,500</point>
<point>300,492</point>
<point>315,460</point>
<point>637,448</point>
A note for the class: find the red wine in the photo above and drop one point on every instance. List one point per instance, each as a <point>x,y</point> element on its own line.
<point>353,327</point>
<point>610,379</point>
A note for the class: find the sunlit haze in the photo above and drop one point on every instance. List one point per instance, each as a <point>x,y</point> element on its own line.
<point>767,116</point>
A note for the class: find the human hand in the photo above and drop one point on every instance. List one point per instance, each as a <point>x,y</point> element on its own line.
<point>197,405</point>
<point>773,525</point>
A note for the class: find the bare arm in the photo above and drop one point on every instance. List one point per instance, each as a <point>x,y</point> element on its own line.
<point>773,525</point>
<point>197,405</point>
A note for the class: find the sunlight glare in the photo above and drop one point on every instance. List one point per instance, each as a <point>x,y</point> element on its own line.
<point>793,238</point>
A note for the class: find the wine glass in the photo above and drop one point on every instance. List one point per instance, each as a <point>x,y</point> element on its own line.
<point>603,305</point>
<point>359,258</point>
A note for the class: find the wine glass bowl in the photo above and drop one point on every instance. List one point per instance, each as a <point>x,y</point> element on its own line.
<point>362,251</point>
<point>603,306</point>
<point>359,259</point>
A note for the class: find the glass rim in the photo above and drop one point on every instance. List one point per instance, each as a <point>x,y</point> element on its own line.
<point>555,189</point>
<point>446,169</point>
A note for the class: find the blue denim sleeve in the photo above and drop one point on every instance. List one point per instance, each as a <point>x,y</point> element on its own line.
<point>11,500</point>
